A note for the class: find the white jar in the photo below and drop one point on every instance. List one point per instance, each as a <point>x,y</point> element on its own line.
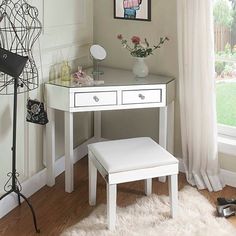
<point>140,68</point>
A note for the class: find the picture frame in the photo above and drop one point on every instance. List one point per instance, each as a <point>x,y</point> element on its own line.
<point>132,10</point>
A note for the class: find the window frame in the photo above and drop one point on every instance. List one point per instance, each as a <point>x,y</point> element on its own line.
<point>226,130</point>
<point>227,139</point>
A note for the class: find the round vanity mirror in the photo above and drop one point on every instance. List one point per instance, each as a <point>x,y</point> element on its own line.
<point>98,52</point>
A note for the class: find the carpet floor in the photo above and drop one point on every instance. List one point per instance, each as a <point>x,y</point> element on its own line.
<point>150,216</point>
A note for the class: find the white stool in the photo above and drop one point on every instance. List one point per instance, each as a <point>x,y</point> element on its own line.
<point>129,160</point>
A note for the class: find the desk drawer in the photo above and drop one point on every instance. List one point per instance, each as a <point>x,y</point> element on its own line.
<point>142,96</point>
<point>95,99</point>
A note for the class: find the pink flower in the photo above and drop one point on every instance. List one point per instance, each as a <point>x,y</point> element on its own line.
<point>135,40</point>
<point>119,36</point>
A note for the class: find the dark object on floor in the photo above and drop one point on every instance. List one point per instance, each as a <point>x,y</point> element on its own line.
<point>223,201</point>
<point>226,210</point>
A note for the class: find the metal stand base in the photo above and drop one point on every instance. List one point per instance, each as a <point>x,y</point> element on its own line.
<point>16,189</point>
<point>13,185</point>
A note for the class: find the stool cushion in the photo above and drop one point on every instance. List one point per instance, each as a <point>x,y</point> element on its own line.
<point>130,154</point>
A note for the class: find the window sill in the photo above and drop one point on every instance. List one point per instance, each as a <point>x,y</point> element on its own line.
<point>227,145</point>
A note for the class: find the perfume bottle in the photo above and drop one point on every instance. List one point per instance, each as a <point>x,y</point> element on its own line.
<point>65,71</point>
<point>52,73</point>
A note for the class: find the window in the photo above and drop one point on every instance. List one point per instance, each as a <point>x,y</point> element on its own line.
<point>225,67</point>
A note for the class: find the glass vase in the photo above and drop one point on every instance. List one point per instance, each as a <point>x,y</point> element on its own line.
<point>140,68</point>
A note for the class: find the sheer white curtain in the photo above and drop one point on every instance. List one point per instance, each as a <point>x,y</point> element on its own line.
<point>197,93</point>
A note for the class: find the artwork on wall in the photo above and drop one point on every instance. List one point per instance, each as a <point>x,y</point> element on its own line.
<point>132,9</point>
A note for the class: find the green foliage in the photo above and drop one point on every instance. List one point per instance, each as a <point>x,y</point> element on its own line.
<point>226,100</point>
<point>228,69</point>
<point>223,13</point>
<point>228,49</point>
<point>219,67</point>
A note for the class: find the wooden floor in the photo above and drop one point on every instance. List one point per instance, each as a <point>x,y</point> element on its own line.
<point>57,210</point>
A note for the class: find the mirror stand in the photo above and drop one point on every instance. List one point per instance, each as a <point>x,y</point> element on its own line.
<point>98,54</point>
<point>96,69</point>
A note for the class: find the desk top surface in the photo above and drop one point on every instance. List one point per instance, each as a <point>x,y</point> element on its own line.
<point>117,77</point>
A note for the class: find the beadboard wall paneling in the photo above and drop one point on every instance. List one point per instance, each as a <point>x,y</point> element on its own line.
<point>67,35</point>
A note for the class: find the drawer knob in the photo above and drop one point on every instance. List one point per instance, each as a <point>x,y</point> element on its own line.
<point>96,99</point>
<point>141,96</point>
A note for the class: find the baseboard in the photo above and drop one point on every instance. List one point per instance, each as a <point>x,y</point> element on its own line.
<point>228,177</point>
<point>39,180</point>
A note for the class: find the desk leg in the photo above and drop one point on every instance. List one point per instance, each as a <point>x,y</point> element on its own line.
<point>69,157</point>
<point>170,127</point>
<point>166,129</point>
<point>50,147</point>
<point>97,124</point>
<point>163,127</point>
<point>163,132</point>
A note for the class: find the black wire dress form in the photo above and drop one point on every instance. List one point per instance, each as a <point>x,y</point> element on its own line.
<point>19,30</point>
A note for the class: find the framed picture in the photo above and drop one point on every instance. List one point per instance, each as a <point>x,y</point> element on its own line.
<point>132,9</point>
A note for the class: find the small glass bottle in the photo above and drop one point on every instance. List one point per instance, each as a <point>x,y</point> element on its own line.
<point>65,71</point>
<point>52,73</point>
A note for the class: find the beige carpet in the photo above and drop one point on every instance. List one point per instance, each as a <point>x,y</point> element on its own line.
<point>150,216</point>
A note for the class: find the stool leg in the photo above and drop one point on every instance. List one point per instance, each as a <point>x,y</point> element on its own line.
<point>173,193</point>
<point>92,182</point>
<point>111,206</point>
<point>148,186</point>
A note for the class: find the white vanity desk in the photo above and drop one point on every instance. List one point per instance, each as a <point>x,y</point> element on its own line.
<point>121,90</point>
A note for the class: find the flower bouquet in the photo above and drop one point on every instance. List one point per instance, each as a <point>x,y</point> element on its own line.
<point>140,50</point>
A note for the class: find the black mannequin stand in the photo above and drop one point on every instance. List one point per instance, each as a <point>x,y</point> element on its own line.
<point>13,185</point>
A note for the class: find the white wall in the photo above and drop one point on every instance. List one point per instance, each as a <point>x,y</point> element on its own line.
<point>68,33</point>
<point>121,124</point>
<point>228,162</point>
